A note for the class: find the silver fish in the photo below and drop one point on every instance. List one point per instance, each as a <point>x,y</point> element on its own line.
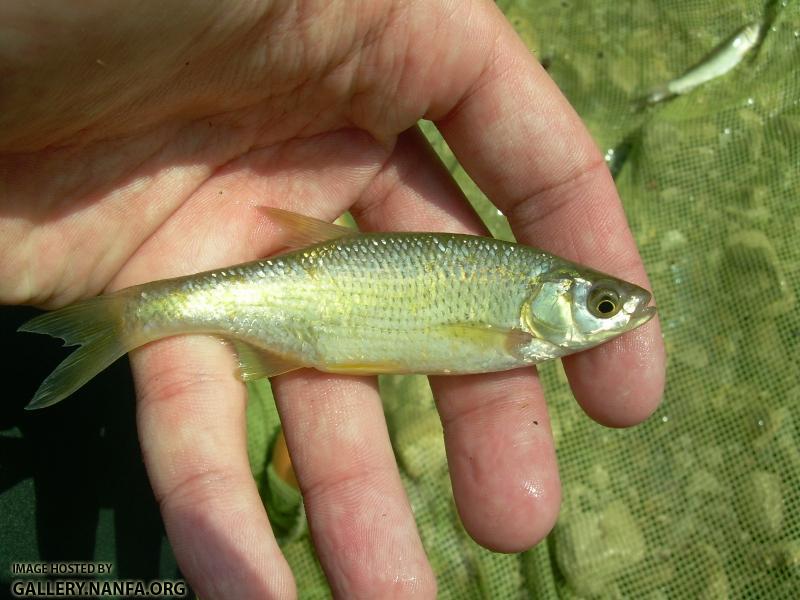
<point>718,62</point>
<point>359,303</point>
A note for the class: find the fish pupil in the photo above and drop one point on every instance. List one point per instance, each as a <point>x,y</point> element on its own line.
<point>605,306</point>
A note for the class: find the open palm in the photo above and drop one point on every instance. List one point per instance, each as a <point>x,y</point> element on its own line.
<point>134,145</point>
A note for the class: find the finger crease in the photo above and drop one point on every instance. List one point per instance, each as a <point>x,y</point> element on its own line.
<point>531,207</point>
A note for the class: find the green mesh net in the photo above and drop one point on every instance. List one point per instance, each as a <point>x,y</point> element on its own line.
<point>703,500</point>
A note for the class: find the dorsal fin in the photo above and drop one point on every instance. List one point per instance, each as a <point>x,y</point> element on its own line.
<point>303,230</point>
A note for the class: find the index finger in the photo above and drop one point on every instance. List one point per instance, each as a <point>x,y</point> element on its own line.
<point>524,145</point>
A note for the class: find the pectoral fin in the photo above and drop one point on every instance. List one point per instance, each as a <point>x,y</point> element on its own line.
<point>303,230</point>
<point>255,363</point>
<point>512,340</point>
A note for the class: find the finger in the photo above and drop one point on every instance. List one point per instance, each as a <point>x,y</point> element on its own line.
<point>499,445</point>
<point>502,457</point>
<point>358,512</point>
<point>534,158</point>
<point>191,419</point>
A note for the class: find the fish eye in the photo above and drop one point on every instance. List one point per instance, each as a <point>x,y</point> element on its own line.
<point>604,303</point>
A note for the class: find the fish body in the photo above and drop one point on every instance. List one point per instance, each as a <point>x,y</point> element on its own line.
<point>399,302</point>
<point>432,303</point>
<point>718,62</point>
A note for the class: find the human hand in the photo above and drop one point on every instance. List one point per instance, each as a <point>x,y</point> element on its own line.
<point>134,145</point>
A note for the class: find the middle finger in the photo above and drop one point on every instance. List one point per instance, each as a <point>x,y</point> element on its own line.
<point>358,512</point>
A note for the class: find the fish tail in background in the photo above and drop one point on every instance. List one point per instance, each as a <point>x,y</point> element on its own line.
<point>654,96</point>
<point>95,325</point>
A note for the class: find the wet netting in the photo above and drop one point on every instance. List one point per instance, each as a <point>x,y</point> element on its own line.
<point>703,500</point>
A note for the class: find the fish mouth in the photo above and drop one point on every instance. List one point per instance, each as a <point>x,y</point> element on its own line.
<point>642,312</point>
<point>643,315</point>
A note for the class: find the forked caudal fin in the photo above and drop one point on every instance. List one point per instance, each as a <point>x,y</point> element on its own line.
<point>94,325</point>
